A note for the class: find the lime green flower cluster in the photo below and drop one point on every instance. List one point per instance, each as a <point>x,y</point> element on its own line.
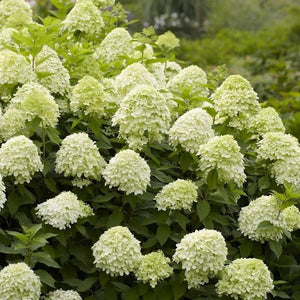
<point>63,295</point>
<point>117,252</point>
<point>179,194</point>
<point>15,13</point>
<point>128,171</point>
<point>19,158</point>
<point>202,255</point>
<point>48,61</point>
<point>114,46</point>
<point>79,157</point>
<point>153,267</point>
<point>18,281</point>
<point>167,41</point>
<point>84,17</point>
<point>143,116</point>
<point>246,279</point>
<point>191,130</point>
<point>222,153</point>
<point>235,101</point>
<point>63,210</point>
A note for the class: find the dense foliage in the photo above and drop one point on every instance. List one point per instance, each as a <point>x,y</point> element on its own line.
<point>126,175</point>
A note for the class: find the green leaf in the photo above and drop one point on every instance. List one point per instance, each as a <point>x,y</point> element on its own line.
<point>86,284</point>
<point>265,225</point>
<point>13,203</point>
<point>20,236</point>
<point>264,183</point>
<point>285,262</point>
<point>46,278</point>
<point>115,219</point>
<point>246,248</point>
<point>179,290</point>
<point>212,179</point>
<point>276,247</point>
<point>280,294</point>
<point>163,233</point>
<point>203,209</point>
<point>46,259</point>
<point>53,135</point>
<point>132,294</point>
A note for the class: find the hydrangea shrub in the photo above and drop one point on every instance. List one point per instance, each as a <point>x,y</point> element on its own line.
<point>126,174</point>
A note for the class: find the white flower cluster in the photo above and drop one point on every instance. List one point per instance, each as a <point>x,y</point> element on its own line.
<point>246,279</point>
<point>47,61</point>
<point>202,255</point>
<point>132,76</point>
<point>34,100</point>
<point>167,41</point>
<point>292,218</point>
<point>179,194</point>
<point>153,267</point>
<point>117,251</point>
<point>191,79</point>
<point>128,171</point>
<point>14,13</point>
<point>84,17</point>
<point>88,97</point>
<point>284,152</point>
<point>79,156</point>
<point>6,38</point>
<point>2,193</point>
<point>171,69</point>
<point>63,295</point>
<point>235,100</point>
<point>143,116</point>
<point>191,130</point>
<point>19,158</point>
<point>18,281</point>
<point>63,210</point>
<point>222,153</point>
<point>263,209</point>
<point>11,122</point>
<point>277,145</point>
<point>114,46</point>
<point>265,121</point>
<point>14,68</point>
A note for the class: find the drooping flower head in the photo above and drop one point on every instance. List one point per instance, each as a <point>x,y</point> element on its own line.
<point>292,218</point>
<point>143,116</point>
<point>235,100</point>
<point>63,210</point>
<point>278,145</point>
<point>89,98</point>
<point>179,194</point>
<point>11,122</point>
<point>202,255</point>
<point>63,295</point>
<point>191,79</point>
<point>14,69</point>
<point>222,153</point>
<point>47,61</point>
<point>34,100</point>
<point>2,193</point>
<point>263,209</point>
<point>79,157</point>
<point>265,121</point>
<point>134,75</point>
<point>191,130</point>
<point>18,281</point>
<point>117,251</point>
<point>19,158</point>
<point>246,279</point>
<point>167,41</point>
<point>153,267</point>
<point>128,171</point>
<point>13,9</point>
<point>114,46</point>
<point>84,17</point>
